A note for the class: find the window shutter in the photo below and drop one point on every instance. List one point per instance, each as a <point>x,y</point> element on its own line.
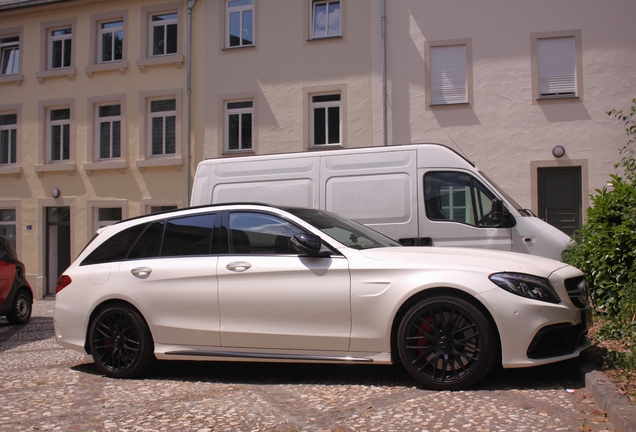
<point>448,75</point>
<point>556,58</point>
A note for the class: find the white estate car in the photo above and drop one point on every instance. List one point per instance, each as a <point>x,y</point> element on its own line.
<point>252,282</point>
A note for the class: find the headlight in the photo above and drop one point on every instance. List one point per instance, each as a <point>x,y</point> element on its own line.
<point>528,286</point>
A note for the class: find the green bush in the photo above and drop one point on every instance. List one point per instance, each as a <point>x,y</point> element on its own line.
<point>606,248</point>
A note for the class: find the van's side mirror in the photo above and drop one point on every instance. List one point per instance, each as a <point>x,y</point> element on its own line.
<point>307,244</point>
<point>498,212</point>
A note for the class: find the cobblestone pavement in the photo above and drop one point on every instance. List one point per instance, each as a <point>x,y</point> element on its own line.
<point>44,387</point>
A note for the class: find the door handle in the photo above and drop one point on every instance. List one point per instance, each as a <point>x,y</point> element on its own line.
<point>141,272</point>
<point>238,266</point>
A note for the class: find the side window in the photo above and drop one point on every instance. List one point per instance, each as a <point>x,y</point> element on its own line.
<point>189,235</point>
<point>261,234</point>
<point>149,244</point>
<point>458,197</point>
<point>115,248</point>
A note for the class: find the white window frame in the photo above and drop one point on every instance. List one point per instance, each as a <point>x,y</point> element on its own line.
<point>50,124</point>
<point>105,32</point>
<point>314,105</point>
<point>12,142</point>
<point>10,49</point>
<point>111,120</point>
<point>164,115</point>
<point>164,23</point>
<point>327,3</point>
<point>101,223</point>
<point>93,207</point>
<point>10,223</point>
<point>240,9</point>
<point>240,112</point>
<point>146,204</point>
<point>64,38</point>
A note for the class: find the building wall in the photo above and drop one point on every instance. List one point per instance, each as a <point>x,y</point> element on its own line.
<point>131,182</point>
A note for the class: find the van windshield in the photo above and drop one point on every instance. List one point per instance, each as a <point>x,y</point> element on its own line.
<point>521,210</point>
<point>348,232</point>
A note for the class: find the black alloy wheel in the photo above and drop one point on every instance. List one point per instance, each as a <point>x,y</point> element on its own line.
<point>21,309</point>
<point>120,342</point>
<point>446,343</point>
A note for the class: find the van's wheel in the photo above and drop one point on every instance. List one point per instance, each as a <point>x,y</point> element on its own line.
<point>120,342</point>
<point>21,308</point>
<point>446,343</point>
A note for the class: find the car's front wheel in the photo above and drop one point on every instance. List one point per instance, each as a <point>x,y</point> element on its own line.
<point>446,343</point>
<point>21,308</point>
<point>120,342</point>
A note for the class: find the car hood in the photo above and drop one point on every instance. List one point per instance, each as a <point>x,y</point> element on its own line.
<point>452,257</point>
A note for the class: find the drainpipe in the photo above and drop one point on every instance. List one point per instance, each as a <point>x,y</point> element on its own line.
<point>189,101</point>
<point>385,95</point>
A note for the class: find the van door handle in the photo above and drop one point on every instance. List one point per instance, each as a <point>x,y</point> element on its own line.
<point>141,272</point>
<point>238,266</point>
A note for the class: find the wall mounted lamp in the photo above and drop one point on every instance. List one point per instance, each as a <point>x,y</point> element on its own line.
<point>558,151</point>
<point>55,193</point>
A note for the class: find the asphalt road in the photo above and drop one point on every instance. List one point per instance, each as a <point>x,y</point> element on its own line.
<point>46,387</point>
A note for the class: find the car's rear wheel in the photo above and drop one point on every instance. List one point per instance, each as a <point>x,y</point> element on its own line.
<point>120,342</point>
<point>446,343</point>
<point>21,308</point>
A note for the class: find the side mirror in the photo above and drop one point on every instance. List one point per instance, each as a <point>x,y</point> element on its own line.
<point>498,212</point>
<point>307,244</point>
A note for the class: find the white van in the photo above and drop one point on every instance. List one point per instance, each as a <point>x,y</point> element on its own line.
<point>419,194</point>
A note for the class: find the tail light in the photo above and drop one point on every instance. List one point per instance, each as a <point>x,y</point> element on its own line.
<point>62,283</point>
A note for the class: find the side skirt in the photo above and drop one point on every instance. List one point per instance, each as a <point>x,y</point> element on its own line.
<point>270,356</point>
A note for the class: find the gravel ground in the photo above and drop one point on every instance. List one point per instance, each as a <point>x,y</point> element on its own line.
<point>44,387</point>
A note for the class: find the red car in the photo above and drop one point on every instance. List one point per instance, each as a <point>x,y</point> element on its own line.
<point>16,295</point>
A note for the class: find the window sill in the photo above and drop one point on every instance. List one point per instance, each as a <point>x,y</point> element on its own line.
<point>62,72</point>
<point>557,97</point>
<point>120,165</point>
<point>56,167</point>
<point>231,153</point>
<point>238,47</point>
<point>176,59</point>
<point>13,78</point>
<point>325,147</point>
<point>175,162</point>
<point>325,38</point>
<point>121,66</point>
<point>11,169</point>
<point>449,104</point>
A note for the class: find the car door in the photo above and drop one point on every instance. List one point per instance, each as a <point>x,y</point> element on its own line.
<point>272,298</point>
<point>171,271</point>
<point>458,210</point>
<point>7,270</point>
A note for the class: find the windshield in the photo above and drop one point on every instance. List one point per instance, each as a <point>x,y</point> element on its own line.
<point>348,232</point>
<point>521,210</point>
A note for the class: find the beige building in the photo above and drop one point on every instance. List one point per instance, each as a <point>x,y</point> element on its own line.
<point>107,106</point>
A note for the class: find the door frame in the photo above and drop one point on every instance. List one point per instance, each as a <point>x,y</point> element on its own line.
<point>560,163</point>
<point>41,290</point>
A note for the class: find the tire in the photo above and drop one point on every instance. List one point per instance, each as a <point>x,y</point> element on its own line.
<point>120,342</point>
<point>21,308</point>
<point>446,343</point>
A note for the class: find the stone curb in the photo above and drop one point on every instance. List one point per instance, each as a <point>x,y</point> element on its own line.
<point>620,412</point>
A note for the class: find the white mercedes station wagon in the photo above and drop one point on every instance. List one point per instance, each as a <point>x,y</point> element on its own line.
<point>253,282</point>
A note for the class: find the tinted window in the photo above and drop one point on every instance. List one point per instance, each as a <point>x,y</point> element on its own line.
<point>115,248</point>
<point>149,244</point>
<point>259,233</point>
<point>190,235</point>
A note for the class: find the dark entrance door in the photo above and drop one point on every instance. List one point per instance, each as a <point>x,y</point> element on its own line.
<point>58,244</point>
<point>560,198</point>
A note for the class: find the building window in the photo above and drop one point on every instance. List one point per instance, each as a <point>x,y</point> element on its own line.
<point>163,117</point>
<point>240,23</point>
<point>239,122</point>
<point>556,63</point>
<point>109,131</point>
<point>111,41</point>
<point>107,216</point>
<point>326,19</point>
<point>325,120</point>
<point>160,208</point>
<point>8,224</point>
<point>163,34</point>
<point>449,84</point>
<point>8,138</point>
<point>9,55</point>
<point>60,42</point>
<point>59,127</point>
